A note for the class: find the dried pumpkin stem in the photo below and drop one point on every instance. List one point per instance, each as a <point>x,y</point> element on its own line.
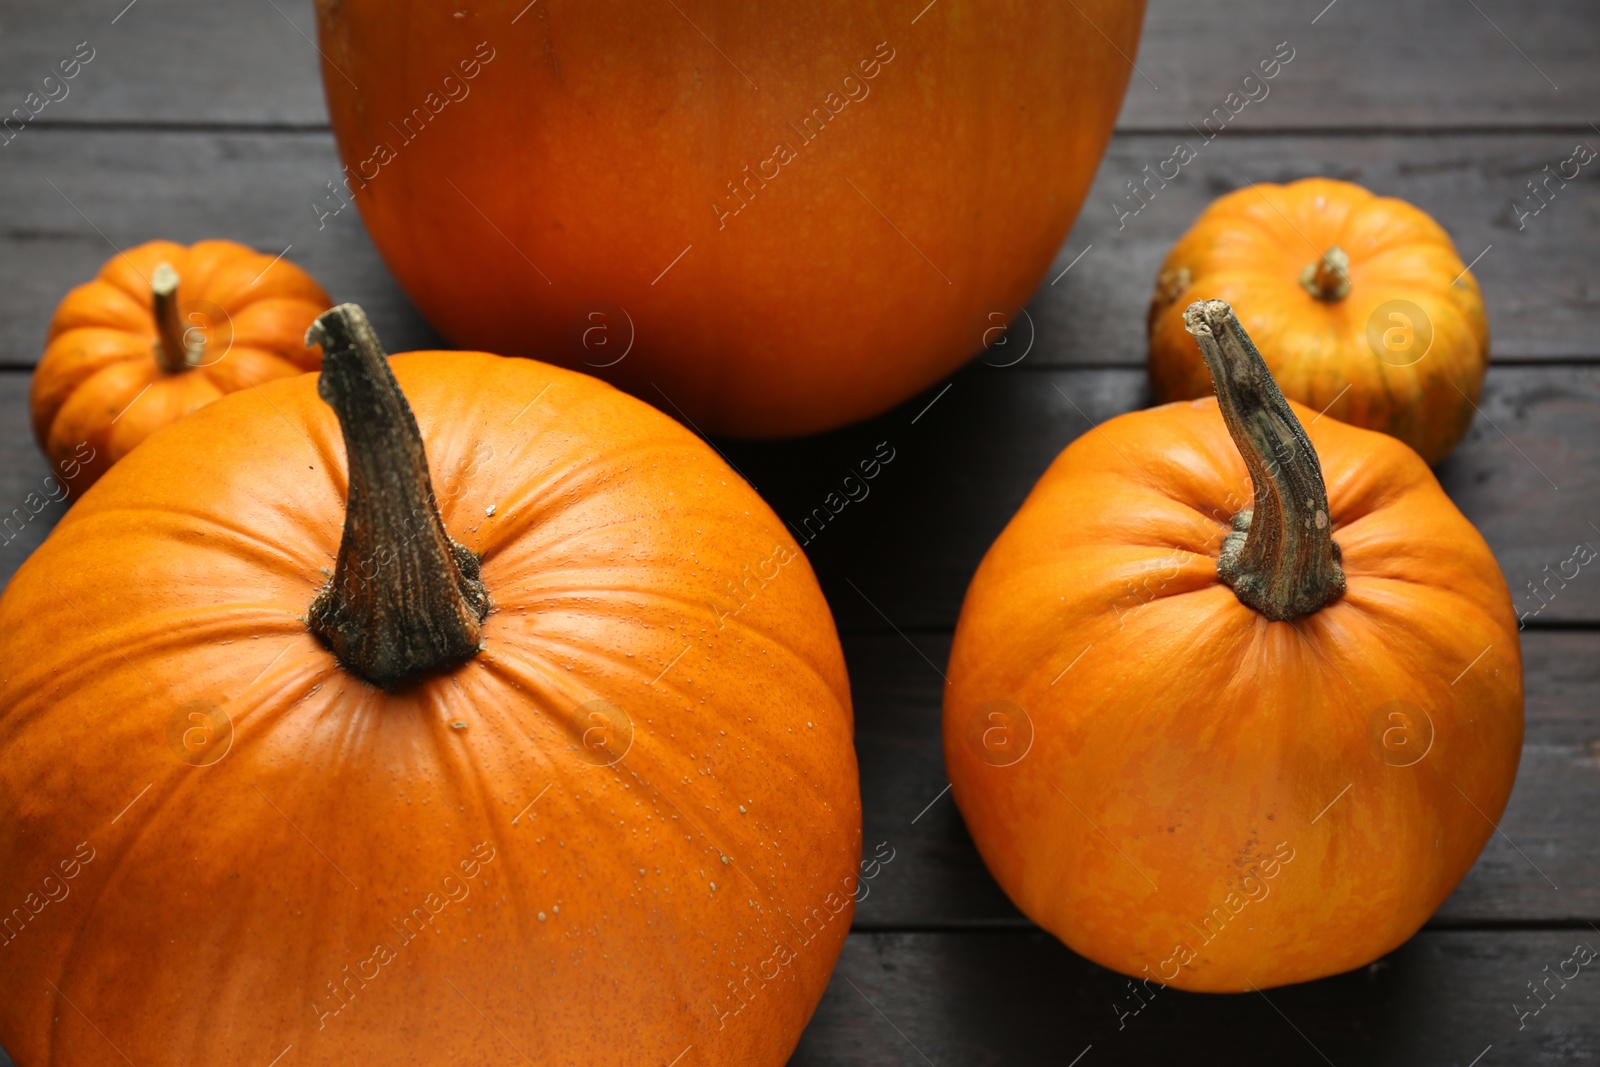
<point>174,354</point>
<point>404,600</point>
<point>1280,558</point>
<point>1328,277</point>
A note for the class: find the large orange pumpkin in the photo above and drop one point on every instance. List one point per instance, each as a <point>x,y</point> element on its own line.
<point>778,218</point>
<point>162,330</point>
<point>1225,721</point>
<point>1359,303</point>
<point>614,818</point>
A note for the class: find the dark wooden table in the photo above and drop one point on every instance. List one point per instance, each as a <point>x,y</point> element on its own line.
<point>198,119</point>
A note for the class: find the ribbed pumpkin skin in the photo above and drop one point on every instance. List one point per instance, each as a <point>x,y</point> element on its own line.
<point>1194,737</point>
<point>1249,248</point>
<point>592,150</point>
<point>98,383</point>
<point>225,897</point>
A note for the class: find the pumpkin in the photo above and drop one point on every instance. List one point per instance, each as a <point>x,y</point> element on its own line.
<point>1359,304</point>
<point>555,765</point>
<point>769,219</point>
<point>164,329</point>
<point>1236,698</point>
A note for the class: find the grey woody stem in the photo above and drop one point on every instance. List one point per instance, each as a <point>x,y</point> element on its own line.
<point>172,348</point>
<point>1328,277</point>
<point>405,600</point>
<point>1280,557</point>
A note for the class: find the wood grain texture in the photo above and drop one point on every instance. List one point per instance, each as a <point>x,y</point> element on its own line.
<point>1544,866</point>
<point>167,61</point>
<point>74,194</point>
<point>962,468</point>
<point>1355,67</point>
<point>1021,998</point>
<point>901,556</point>
<point>1538,283</point>
<point>1528,475</point>
<point>78,197</point>
<point>197,119</point>
<point>1425,66</point>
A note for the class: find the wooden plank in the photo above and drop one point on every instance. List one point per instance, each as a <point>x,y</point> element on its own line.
<point>77,197</point>
<point>1430,65</point>
<point>1535,277</point>
<point>165,61</point>
<point>191,61</point>
<point>902,555</point>
<point>76,193</point>
<point>962,468</point>
<point>935,877</point>
<point>1022,998</point>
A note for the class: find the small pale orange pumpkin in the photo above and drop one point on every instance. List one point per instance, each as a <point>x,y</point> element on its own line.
<point>1223,745</point>
<point>1359,304</point>
<point>162,330</point>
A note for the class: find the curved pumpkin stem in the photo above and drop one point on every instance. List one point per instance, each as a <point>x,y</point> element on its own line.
<point>404,600</point>
<point>173,351</point>
<point>1280,558</point>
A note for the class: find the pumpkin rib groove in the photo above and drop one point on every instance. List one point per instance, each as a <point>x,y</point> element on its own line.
<point>538,551</point>
<point>1414,269</point>
<point>260,324</point>
<point>166,634</point>
<point>115,346</point>
<point>642,742</point>
<point>553,645</point>
<point>236,541</point>
<point>130,380</point>
<point>1383,619</point>
<point>1158,534</point>
<point>541,501</point>
<point>170,634</point>
<point>713,844</point>
<point>129,272</point>
<point>160,798</point>
<point>528,674</point>
<point>554,599</point>
<point>530,656</point>
<point>99,304</point>
<point>465,771</point>
<point>152,816</point>
<point>564,725</point>
<point>320,435</point>
<point>498,659</point>
<point>270,367</point>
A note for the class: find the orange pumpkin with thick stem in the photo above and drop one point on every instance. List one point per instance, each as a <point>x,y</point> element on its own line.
<point>775,218</point>
<point>1234,703</point>
<point>1359,304</point>
<point>555,765</point>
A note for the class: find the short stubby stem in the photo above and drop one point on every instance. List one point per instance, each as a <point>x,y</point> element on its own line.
<point>405,600</point>
<point>174,351</point>
<point>1280,557</point>
<point>1328,276</point>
